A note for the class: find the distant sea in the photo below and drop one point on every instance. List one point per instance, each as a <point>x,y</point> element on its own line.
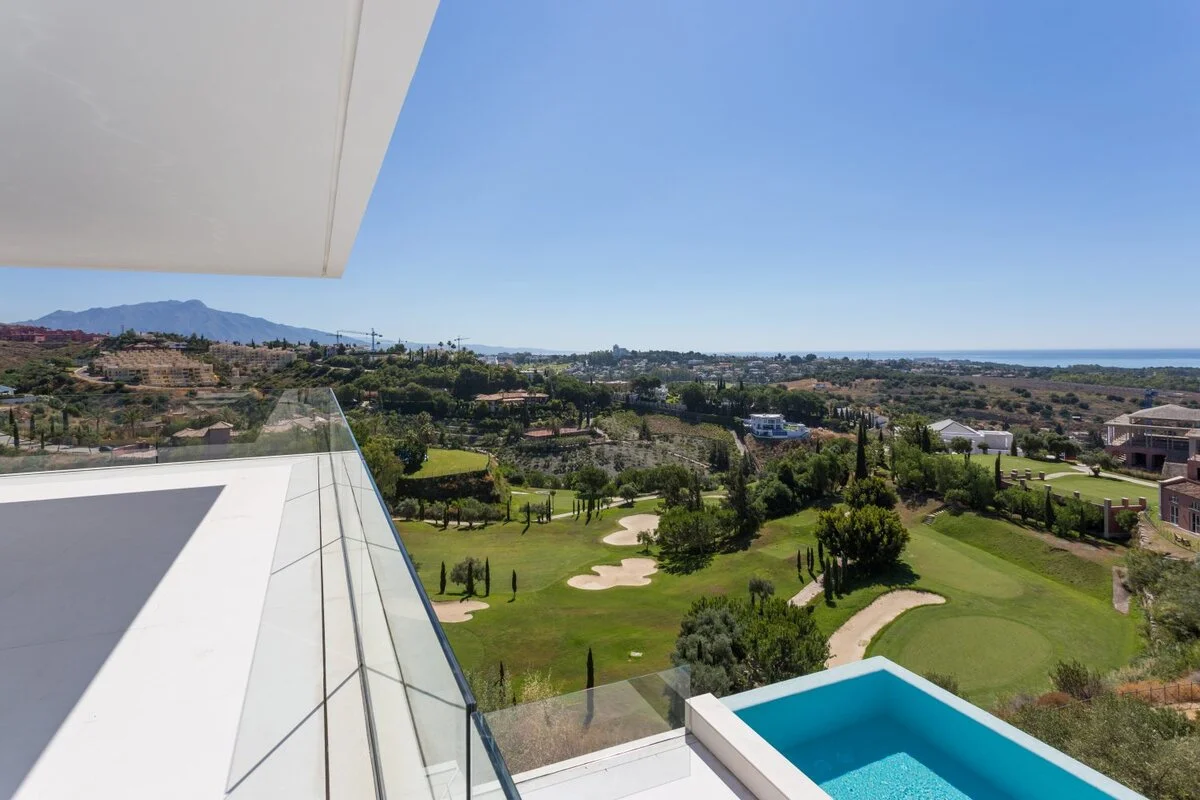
<point>1042,358</point>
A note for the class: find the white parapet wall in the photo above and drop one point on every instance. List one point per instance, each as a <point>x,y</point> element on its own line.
<point>760,767</point>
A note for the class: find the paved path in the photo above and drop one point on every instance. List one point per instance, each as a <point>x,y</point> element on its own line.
<point>741,446</point>
<point>809,592</point>
<point>1120,593</point>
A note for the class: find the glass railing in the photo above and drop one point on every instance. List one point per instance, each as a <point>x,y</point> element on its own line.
<point>121,429</point>
<point>347,634</point>
<point>544,732</point>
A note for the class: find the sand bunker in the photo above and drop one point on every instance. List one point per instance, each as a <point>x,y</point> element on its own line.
<point>457,610</point>
<point>633,525</point>
<point>849,642</point>
<point>632,572</point>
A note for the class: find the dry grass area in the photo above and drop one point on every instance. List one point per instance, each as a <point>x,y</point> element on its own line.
<point>14,354</point>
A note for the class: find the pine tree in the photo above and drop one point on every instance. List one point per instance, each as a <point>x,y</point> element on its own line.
<point>514,584</point>
<point>591,671</point>
<point>442,580</point>
<point>487,577</point>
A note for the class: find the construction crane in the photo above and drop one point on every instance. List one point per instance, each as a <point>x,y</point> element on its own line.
<point>372,334</point>
<point>458,340</point>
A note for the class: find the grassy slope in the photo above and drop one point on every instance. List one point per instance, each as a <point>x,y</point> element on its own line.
<point>551,625</point>
<point>450,462</point>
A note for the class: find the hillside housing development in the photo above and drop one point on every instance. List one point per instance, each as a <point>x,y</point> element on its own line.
<point>155,367</point>
<point>247,360</point>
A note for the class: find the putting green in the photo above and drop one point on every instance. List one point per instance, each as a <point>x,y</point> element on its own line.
<point>986,653</point>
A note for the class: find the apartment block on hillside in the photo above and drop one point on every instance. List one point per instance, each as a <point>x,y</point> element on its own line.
<point>1152,437</point>
<point>252,359</point>
<point>167,368</point>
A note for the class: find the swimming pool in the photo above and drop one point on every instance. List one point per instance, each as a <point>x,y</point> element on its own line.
<point>875,731</point>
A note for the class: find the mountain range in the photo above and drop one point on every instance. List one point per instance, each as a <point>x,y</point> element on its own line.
<point>186,317</point>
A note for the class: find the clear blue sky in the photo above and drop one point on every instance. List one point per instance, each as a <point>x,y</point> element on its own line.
<point>791,175</point>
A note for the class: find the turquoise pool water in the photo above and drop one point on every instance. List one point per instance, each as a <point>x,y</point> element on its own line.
<point>888,761</point>
<point>874,731</point>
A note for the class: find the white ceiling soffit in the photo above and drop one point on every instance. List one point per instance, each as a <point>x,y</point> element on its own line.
<point>230,136</point>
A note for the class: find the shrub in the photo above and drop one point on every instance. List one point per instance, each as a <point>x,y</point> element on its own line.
<point>1127,520</point>
<point>1076,680</point>
<point>945,681</point>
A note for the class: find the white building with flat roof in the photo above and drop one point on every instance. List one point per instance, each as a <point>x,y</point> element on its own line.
<point>774,426</point>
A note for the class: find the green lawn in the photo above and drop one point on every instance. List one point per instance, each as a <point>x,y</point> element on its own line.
<point>551,625</point>
<point>1091,488</point>
<point>1020,463</point>
<point>1015,604</point>
<point>563,498</point>
<point>1005,622</point>
<point>450,462</point>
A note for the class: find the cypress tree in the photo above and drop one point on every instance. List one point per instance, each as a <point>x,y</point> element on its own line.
<point>821,553</point>
<point>501,673</point>
<point>514,584</point>
<point>860,454</point>
<point>471,580</point>
<point>487,577</point>
<point>999,483</point>
<point>1049,511</point>
<point>508,510</point>
<point>799,563</point>
<point>442,580</point>
<point>1012,448</point>
<point>591,671</point>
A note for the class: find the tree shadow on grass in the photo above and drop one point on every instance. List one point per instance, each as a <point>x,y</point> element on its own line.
<point>897,576</point>
<point>683,563</point>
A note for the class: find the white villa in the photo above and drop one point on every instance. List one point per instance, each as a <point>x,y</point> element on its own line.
<point>996,441</point>
<point>773,426</point>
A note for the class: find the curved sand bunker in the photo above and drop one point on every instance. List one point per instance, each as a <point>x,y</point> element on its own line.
<point>633,525</point>
<point>457,610</point>
<point>849,642</point>
<point>632,572</point>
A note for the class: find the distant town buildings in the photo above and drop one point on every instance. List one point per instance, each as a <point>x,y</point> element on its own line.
<point>247,360</point>
<point>518,397</point>
<point>996,441</point>
<point>1150,438</point>
<point>217,433</point>
<point>155,367</point>
<point>773,426</point>
<point>33,333</point>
